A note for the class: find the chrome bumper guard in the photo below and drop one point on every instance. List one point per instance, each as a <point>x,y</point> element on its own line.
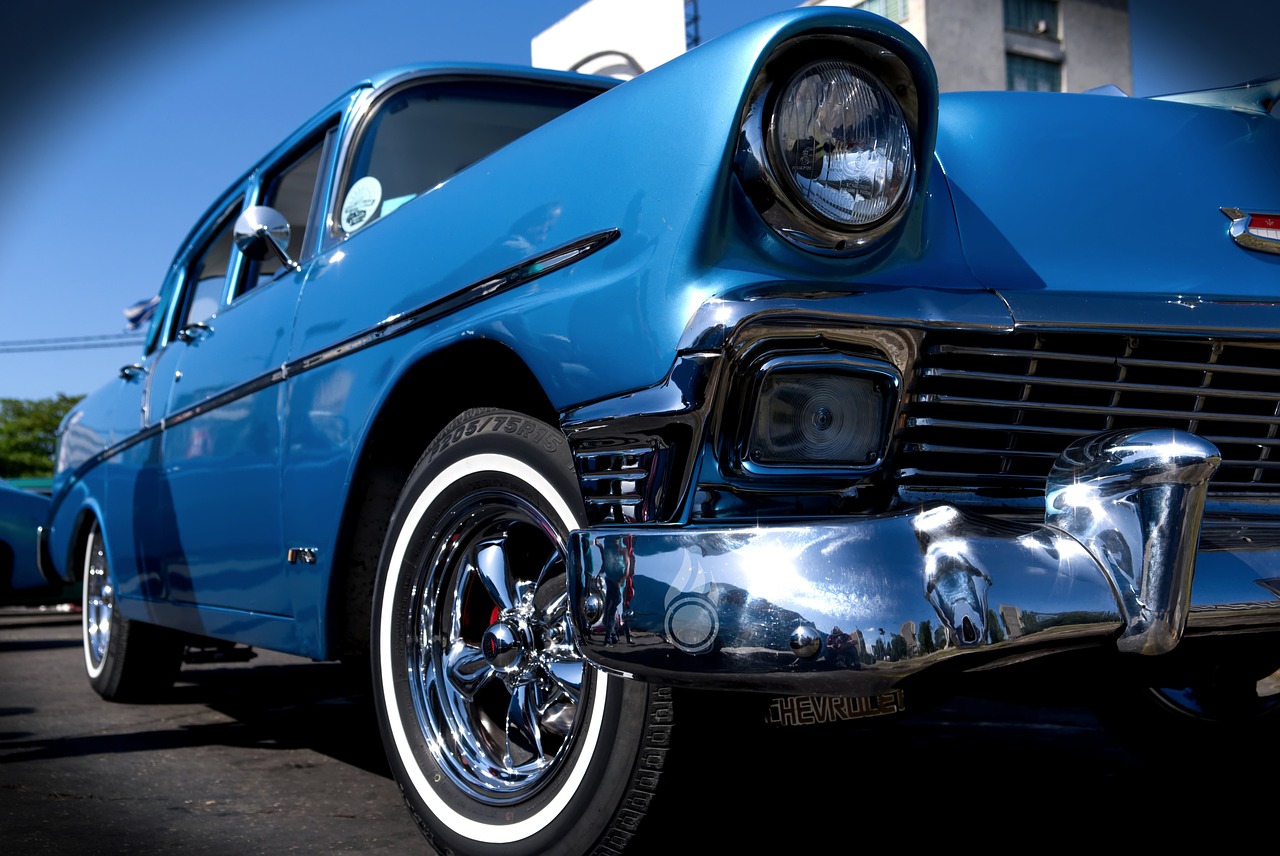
<point>855,605</point>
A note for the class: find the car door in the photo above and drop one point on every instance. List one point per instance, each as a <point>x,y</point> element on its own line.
<point>218,392</point>
<point>131,474</point>
<point>403,142</point>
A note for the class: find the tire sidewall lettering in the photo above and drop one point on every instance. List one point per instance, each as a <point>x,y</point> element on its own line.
<point>538,434</point>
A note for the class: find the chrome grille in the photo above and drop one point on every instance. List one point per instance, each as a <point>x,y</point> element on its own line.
<point>993,411</point>
<point>616,483</point>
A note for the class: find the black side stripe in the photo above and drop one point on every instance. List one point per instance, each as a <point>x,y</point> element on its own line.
<point>397,325</point>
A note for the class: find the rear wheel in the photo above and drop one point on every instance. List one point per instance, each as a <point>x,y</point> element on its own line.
<point>502,739</point>
<point>125,660</point>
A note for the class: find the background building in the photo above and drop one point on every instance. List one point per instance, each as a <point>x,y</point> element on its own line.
<point>616,38</point>
<point>1053,45</point>
<point>1066,45</point>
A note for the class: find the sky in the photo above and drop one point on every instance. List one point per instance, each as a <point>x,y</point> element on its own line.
<point>124,120</point>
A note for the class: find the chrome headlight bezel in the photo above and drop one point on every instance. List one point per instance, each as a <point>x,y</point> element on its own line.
<point>775,193</point>
<point>880,377</point>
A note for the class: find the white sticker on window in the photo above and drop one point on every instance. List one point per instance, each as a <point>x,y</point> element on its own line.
<point>362,200</point>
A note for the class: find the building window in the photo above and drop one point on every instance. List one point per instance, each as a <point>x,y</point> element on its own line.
<point>1028,74</point>
<point>1039,17</point>
<point>894,10</point>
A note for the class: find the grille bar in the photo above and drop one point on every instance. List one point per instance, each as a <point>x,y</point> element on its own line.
<point>1116,361</point>
<point>1198,415</point>
<point>931,423</point>
<point>616,482</point>
<point>935,448</point>
<point>1218,439</point>
<point>602,478</point>
<point>1117,386</point>
<point>915,476</point>
<point>610,501</point>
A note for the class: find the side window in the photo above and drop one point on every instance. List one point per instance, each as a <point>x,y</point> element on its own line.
<point>421,135</point>
<point>207,272</point>
<point>291,191</point>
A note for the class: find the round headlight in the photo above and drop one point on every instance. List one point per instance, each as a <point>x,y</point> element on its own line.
<point>842,144</point>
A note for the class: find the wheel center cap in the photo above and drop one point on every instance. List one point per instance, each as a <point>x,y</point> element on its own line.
<point>501,647</point>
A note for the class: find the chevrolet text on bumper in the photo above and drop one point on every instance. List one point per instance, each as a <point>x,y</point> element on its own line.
<point>816,607</point>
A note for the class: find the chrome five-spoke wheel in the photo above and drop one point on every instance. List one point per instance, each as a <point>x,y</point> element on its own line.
<point>503,740</point>
<point>493,671</point>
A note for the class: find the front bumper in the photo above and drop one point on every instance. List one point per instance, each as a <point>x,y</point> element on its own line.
<point>855,605</point>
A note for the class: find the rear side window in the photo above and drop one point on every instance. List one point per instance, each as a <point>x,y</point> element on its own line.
<point>422,134</point>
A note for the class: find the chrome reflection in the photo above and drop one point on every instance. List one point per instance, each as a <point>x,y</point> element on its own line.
<point>1135,500</point>
<point>872,599</point>
<point>260,230</point>
<point>1254,230</point>
<point>842,140</point>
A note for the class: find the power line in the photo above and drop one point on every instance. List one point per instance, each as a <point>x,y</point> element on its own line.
<point>69,343</point>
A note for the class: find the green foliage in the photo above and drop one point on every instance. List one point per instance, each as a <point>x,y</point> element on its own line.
<point>1035,622</point>
<point>925,637</point>
<point>995,632</point>
<point>28,433</point>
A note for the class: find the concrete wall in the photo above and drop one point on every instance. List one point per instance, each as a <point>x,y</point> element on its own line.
<point>966,38</point>
<point>968,42</point>
<point>1095,34</point>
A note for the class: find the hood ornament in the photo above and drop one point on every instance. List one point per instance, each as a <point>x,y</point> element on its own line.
<point>1255,230</point>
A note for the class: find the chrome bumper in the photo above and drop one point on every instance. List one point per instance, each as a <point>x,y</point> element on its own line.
<point>854,605</point>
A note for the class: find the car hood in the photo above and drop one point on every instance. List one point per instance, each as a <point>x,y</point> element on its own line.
<point>1091,196</point>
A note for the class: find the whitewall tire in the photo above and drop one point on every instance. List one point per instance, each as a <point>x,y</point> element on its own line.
<point>124,660</point>
<point>502,739</point>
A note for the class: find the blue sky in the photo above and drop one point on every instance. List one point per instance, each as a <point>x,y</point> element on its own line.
<point>124,120</point>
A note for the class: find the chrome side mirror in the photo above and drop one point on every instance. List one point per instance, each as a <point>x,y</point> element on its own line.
<point>262,229</point>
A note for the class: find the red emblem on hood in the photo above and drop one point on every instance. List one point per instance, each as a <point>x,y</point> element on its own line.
<point>1255,230</point>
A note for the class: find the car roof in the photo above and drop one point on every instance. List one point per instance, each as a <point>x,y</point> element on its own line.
<point>494,70</point>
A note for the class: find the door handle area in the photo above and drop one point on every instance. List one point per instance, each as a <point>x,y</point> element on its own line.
<point>195,332</point>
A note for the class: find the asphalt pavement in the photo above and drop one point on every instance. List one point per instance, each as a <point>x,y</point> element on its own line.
<point>281,755</point>
<point>276,755</point>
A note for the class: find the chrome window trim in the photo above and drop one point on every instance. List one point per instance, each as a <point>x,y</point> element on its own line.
<point>358,115</point>
<point>199,241</point>
<point>319,134</point>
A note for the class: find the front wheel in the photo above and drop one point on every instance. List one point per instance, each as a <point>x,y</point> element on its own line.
<point>501,737</point>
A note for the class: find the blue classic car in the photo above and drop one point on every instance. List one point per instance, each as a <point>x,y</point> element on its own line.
<point>22,512</point>
<point>769,371</point>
